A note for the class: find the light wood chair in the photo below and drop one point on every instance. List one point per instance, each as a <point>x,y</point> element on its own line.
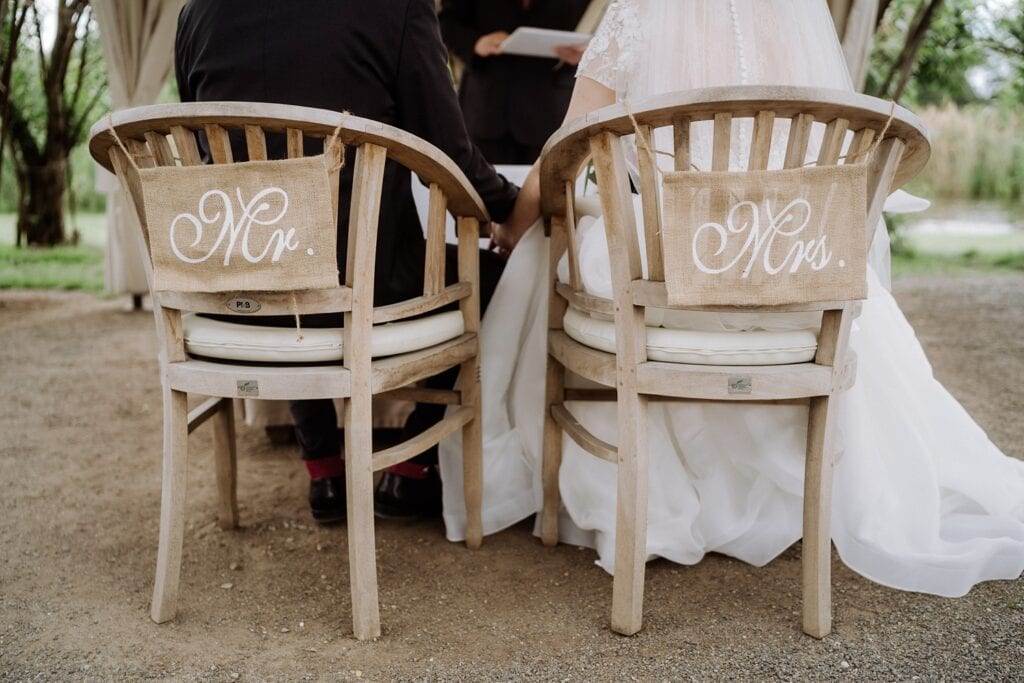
<point>356,366</point>
<point>636,379</point>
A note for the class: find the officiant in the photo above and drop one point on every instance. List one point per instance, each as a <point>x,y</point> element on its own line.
<point>511,103</point>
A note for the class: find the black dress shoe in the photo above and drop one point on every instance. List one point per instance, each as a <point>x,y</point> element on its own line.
<point>327,499</point>
<point>398,497</point>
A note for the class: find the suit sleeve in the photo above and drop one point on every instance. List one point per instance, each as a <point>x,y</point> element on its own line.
<point>428,107</point>
<point>458,27</point>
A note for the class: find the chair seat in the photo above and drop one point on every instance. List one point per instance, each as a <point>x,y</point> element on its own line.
<point>695,347</point>
<point>256,343</point>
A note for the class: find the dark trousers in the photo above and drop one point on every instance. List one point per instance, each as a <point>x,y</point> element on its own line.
<point>316,420</point>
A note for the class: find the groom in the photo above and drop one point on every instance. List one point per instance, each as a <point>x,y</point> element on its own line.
<point>378,59</point>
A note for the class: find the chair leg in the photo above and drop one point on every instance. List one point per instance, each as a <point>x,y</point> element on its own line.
<point>552,454</point>
<point>631,516</point>
<point>225,462</point>
<point>817,543</point>
<point>472,453</point>
<point>362,558</point>
<point>172,506</point>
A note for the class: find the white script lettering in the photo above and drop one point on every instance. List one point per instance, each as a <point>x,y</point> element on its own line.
<point>760,241</point>
<point>216,206</point>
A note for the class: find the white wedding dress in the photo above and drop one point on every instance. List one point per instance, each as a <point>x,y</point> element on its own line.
<point>922,499</point>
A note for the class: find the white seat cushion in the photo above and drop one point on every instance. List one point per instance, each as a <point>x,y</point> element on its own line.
<point>256,343</point>
<point>698,347</point>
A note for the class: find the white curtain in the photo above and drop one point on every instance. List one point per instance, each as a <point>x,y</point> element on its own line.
<point>855,25</point>
<point>138,43</point>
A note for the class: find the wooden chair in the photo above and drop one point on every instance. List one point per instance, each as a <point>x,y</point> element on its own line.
<point>829,367</point>
<point>192,349</point>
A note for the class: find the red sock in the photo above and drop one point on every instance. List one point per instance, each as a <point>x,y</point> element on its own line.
<point>410,470</point>
<point>325,468</point>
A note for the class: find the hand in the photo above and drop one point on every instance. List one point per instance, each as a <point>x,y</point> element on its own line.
<point>490,44</point>
<point>571,54</point>
<point>505,236</point>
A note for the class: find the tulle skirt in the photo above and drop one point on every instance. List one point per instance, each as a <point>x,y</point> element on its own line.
<point>922,500</point>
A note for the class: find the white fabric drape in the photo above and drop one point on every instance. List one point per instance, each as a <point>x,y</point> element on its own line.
<point>855,25</point>
<point>138,43</point>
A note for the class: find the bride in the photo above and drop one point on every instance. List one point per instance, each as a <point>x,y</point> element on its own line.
<point>922,500</point>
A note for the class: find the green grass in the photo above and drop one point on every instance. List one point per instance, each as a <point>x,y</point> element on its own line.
<point>958,254</point>
<point>78,268</point>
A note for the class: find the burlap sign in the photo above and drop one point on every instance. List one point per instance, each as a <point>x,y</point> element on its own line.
<point>256,225</point>
<point>765,238</point>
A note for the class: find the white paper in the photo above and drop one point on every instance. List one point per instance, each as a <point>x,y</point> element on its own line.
<point>540,42</point>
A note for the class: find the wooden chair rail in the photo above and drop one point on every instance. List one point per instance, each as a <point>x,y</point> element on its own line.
<point>569,147</point>
<point>180,120</point>
<point>771,382</point>
<point>394,372</point>
<point>283,383</point>
<point>611,396</point>
<point>585,302</point>
<point>432,436</point>
<point>422,304</point>
<point>204,411</point>
<point>587,441</point>
<point>447,397</point>
<point>587,362</point>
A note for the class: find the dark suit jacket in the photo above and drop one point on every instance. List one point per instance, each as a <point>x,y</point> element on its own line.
<point>379,59</point>
<point>522,98</point>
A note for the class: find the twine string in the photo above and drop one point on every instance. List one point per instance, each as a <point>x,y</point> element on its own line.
<point>120,143</point>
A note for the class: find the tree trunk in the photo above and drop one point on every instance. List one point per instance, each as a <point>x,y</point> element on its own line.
<point>41,220</point>
<point>903,68</point>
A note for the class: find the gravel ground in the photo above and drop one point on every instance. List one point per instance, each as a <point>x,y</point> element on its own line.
<point>79,501</point>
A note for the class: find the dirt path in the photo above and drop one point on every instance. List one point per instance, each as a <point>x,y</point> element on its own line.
<point>79,505</point>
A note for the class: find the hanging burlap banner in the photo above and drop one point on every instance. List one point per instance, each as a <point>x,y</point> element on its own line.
<point>256,225</point>
<point>766,238</point>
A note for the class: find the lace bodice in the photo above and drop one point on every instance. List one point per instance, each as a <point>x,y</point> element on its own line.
<point>650,47</point>
<point>610,58</point>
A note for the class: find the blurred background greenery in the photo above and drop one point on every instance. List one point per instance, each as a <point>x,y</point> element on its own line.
<point>958,63</point>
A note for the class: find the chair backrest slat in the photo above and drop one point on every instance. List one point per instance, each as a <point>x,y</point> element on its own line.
<point>140,152</point>
<point>799,134</point>
<point>722,142</point>
<point>882,167</point>
<point>255,142</point>
<point>188,148</point>
<point>219,142</point>
<point>650,199</point>
<point>161,149</point>
<point>437,212</point>
<point>296,149</point>
<point>364,216</point>
<point>859,145</point>
<point>681,142</point>
<point>575,279</point>
<point>832,142</point>
<point>761,141</point>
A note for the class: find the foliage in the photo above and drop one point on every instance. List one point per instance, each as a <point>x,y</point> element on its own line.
<point>977,152</point>
<point>55,92</point>
<point>963,37</point>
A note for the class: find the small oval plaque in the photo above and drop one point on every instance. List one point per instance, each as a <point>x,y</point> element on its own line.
<point>243,305</point>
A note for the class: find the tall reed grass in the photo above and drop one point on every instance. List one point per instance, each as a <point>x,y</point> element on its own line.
<point>977,153</point>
